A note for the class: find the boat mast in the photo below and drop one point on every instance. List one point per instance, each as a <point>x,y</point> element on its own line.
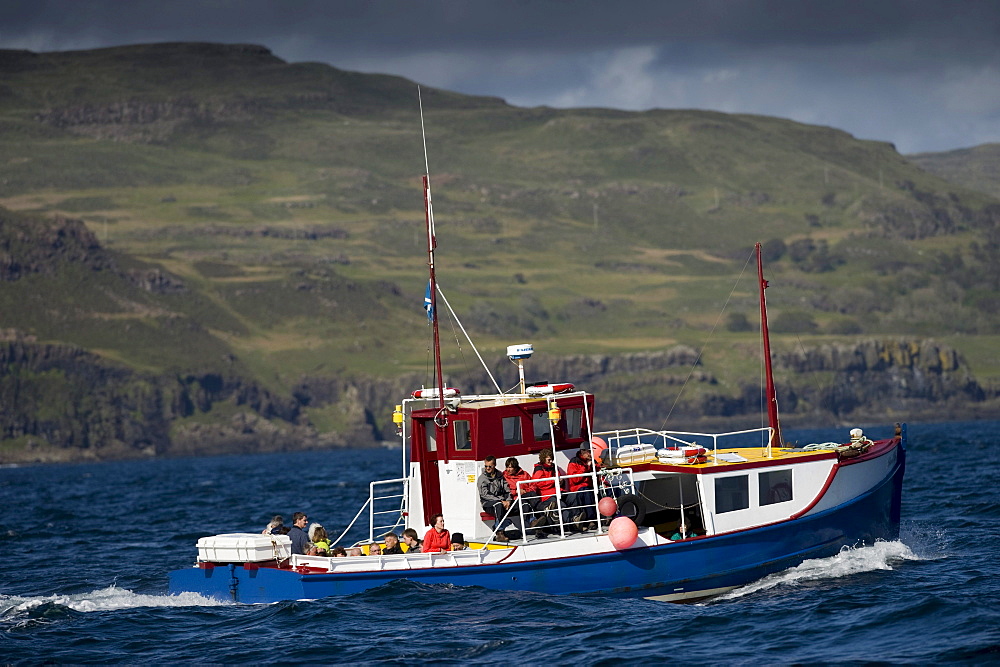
<point>441,419</point>
<point>772,399</point>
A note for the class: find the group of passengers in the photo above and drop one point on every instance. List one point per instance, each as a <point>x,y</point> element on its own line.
<point>316,542</point>
<point>501,497</point>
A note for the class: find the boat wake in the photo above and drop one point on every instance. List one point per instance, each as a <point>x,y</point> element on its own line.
<point>14,609</point>
<point>850,561</point>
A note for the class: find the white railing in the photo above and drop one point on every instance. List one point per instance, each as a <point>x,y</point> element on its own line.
<point>387,509</point>
<point>527,506</point>
<point>659,439</point>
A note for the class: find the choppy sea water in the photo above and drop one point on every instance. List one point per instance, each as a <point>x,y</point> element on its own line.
<point>85,551</point>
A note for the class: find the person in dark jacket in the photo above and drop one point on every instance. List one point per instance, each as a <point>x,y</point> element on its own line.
<point>297,533</point>
<point>391,544</point>
<point>494,496</point>
<point>412,542</point>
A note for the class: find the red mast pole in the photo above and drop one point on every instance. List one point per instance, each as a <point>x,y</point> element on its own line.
<point>772,398</point>
<point>441,420</point>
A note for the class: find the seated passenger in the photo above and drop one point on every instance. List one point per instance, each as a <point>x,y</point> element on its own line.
<point>413,545</point>
<point>391,544</point>
<point>274,528</point>
<point>545,488</point>
<point>355,551</point>
<point>374,549</point>
<point>458,542</point>
<point>514,473</point>
<point>437,539</point>
<point>684,532</point>
<point>494,495</point>
<point>580,489</point>
<point>338,552</point>
<point>320,542</point>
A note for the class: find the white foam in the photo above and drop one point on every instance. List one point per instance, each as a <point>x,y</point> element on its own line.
<point>105,599</point>
<point>850,561</point>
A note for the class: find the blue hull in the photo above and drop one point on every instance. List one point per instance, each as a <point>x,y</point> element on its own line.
<point>682,569</point>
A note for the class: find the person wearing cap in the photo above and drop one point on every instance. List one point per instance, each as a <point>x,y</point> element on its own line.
<point>458,542</point>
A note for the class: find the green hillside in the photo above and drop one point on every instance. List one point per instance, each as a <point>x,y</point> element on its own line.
<point>977,167</point>
<point>264,220</point>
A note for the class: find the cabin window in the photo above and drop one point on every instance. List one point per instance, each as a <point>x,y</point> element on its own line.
<point>430,435</point>
<point>775,487</point>
<point>574,422</point>
<point>463,438</point>
<point>731,494</point>
<point>511,430</point>
<point>540,424</point>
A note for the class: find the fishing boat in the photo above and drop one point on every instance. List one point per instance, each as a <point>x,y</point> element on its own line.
<point>662,514</point>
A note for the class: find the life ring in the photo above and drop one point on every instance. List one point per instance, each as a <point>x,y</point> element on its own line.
<point>432,392</point>
<point>631,505</point>
<point>548,388</point>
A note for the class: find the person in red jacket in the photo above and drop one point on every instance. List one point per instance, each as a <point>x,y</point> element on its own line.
<point>545,487</point>
<point>437,539</point>
<point>514,473</point>
<point>581,488</point>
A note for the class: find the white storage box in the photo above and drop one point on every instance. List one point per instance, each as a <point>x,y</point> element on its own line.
<point>244,548</point>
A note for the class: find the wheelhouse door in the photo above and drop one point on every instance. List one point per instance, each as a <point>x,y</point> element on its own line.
<point>431,452</point>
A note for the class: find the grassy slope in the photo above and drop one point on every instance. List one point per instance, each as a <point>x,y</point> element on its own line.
<point>977,167</point>
<point>289,205</point>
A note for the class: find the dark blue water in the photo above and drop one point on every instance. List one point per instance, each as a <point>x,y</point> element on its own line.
<point>85,550</point>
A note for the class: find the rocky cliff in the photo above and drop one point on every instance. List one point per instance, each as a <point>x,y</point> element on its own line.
<point>62,403</point>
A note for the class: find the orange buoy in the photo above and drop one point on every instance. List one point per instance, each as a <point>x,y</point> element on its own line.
<point>607,506</point>
<point>623,533</point>
<point>597,447</point>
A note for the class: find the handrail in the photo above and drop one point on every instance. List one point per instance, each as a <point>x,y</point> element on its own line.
<point>400,512</point>
<point>351,524</point>
<point>675,436</point>
<point>604,489</point>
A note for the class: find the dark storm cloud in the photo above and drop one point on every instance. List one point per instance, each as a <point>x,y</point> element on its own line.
<point>923,74</point>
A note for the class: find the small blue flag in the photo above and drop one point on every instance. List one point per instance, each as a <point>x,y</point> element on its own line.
<point>429,304</point>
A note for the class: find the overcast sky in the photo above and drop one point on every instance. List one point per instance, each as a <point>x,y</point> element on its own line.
<point>923,74</point>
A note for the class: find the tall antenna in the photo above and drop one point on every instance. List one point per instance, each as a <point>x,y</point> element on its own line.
<point>423,133</point>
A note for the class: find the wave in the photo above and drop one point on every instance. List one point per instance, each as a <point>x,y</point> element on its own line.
<point>112,598</point>
<point>850,561</point>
